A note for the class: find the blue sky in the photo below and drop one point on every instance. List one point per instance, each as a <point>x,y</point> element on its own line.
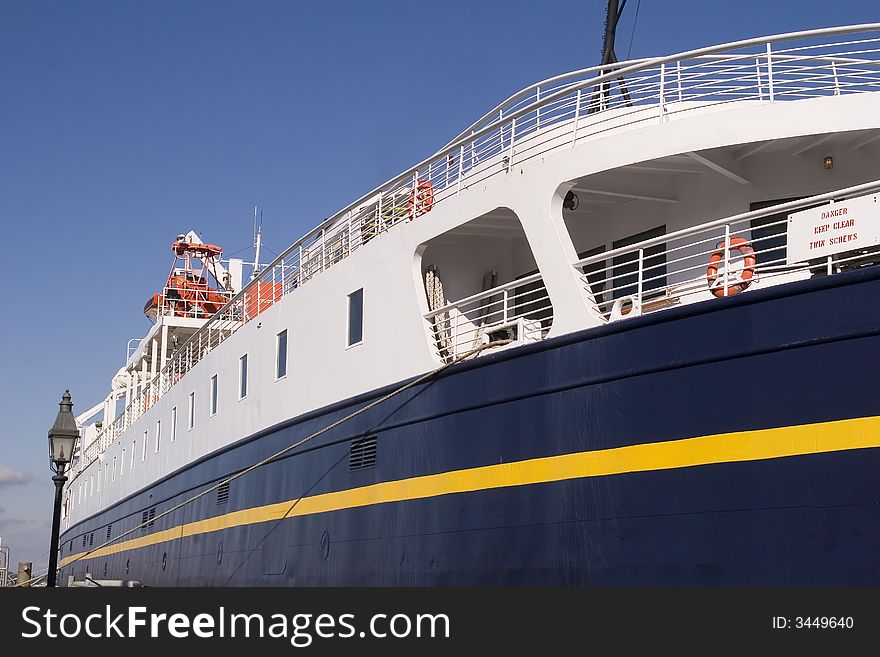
<point>123,123</point>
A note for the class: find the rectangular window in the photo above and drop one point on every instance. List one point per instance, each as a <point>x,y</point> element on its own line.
<point>626,266</point>
<point>174,424</point>
<point>144,450</point>
<point>133,451</point>
<point>281,355</point>
<point>122,464</point>
<point>242,377</point>
<point>770,234</point>
<point>192,410</point>
<point>356,317</point>
<point>214,395</point>
<point>158,434</point>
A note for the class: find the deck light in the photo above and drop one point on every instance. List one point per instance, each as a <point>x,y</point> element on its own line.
<point>62,441</point>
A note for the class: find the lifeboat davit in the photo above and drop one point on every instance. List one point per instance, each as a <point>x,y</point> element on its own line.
<point>187,292</point>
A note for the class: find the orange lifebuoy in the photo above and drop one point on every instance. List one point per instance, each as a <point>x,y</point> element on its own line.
<point>744,277</point>
<point>421,199</point>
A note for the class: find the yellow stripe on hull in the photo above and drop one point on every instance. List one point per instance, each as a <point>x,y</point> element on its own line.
<point>858,433</point>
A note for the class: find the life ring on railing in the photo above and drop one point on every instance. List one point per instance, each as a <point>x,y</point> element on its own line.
<point>742,278</point>
<point>626,306</point>
<point>421,199</point>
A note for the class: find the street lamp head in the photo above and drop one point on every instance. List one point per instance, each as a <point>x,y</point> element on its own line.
<point>63,435</point>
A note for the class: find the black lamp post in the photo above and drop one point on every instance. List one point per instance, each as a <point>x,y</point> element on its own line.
<point>62,442</point>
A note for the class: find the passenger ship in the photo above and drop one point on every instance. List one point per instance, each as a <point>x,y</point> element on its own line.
<point>621,330</point>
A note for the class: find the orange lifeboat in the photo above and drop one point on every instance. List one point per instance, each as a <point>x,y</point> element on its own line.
<point>187,292</point>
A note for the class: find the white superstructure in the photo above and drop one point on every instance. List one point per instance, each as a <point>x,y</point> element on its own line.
<point>576,202</point>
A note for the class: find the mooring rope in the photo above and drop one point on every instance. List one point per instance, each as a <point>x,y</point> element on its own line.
<point>289,448</point>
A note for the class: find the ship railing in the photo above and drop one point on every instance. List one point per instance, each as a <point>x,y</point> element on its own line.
<point>562,111</point>
<point>189,302</point>
<point>556,114</point>
<point>132,347</point>
<point>674,269</point>
<point>519,310</point>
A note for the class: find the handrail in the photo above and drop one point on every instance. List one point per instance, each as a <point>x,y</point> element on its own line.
<point>528,91</point>
<point>485,294</point>
<point>618,72</point>
<point>864,188</point>
<point>406,175</point>
<point>549,99</point>
<point>618,68</point>
<point>522,307</point>
<point>505,125</point>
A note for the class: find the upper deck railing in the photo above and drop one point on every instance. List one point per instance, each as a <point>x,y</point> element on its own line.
<point>554,114</point>
<point>718,258</point>
<point>520,310</point>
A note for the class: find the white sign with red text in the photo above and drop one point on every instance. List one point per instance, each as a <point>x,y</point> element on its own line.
<point>834,228</point>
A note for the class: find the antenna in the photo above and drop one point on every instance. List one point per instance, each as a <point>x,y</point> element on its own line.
<point>258,240</point>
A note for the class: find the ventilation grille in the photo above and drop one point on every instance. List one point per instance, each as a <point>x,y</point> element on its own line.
<point>223,494</point>
<point>85,538</point>
<point>148,516</point>
<point>109,528</point>
<point>363,453</point>
<point>91,539</point>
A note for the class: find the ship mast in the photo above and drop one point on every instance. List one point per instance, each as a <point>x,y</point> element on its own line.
<point>609,57</point>
<point>612,16</point>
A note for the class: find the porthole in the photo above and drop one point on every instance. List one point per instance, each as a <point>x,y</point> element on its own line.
<point>325,544</point>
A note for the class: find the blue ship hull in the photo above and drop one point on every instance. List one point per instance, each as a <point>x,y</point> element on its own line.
<point>713,444</point>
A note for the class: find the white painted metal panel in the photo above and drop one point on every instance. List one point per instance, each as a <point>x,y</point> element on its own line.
<point>834,228</point>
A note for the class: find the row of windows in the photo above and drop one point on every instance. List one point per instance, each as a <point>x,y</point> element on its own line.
<point>354,337</point>
<point>280,373</point>
<point>110,470</point>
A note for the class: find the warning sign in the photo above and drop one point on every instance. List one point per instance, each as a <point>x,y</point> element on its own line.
<point>834,228</point>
